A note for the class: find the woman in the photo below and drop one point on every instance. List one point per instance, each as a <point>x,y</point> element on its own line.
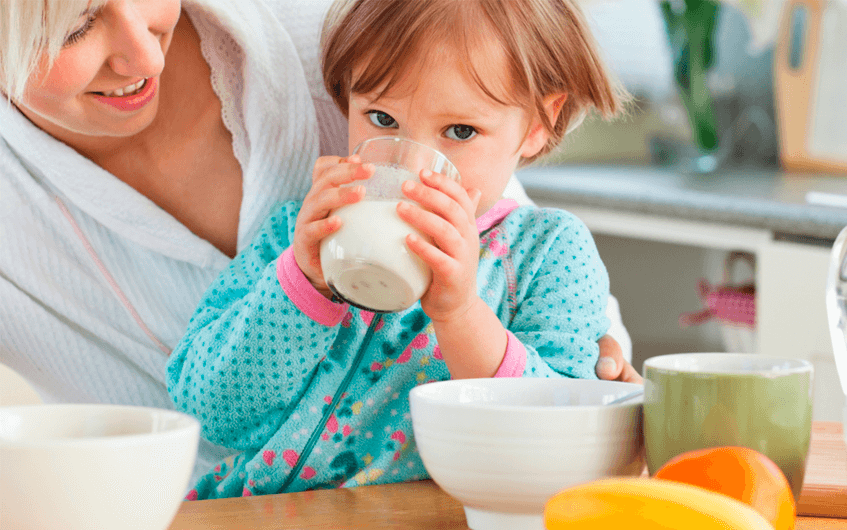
<point>143,144</point>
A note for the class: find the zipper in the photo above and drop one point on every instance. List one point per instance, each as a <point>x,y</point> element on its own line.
<point>313,440</point>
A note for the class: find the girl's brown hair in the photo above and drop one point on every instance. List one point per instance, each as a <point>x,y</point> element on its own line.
<point>547,44</point>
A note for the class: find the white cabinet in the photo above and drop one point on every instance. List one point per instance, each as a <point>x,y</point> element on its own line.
<point>790,283</point>
<point>790,286</point>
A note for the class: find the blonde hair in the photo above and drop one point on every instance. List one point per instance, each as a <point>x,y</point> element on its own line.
<point>31,30</point>
<point>548,46</point>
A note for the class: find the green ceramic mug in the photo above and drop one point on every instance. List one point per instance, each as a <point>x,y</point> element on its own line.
<point>699,400</point>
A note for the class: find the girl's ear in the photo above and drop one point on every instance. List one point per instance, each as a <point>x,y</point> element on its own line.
<point>538,135</point>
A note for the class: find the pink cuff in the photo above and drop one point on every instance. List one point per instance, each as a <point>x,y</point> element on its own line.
<point>514,361</point>
<point>304,295</point>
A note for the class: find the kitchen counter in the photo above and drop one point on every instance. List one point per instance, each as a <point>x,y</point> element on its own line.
<point>773,201</point>
<point>765,214</point>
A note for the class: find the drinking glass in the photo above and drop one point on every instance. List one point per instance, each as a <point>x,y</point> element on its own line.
<point>366,262</point>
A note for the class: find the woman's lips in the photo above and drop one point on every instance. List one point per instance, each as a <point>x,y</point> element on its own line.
<point>134,101</point>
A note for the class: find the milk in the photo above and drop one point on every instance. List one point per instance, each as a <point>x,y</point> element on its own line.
<point>367,262</point>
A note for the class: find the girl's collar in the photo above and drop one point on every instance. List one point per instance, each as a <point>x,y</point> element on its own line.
<point>497,213</point>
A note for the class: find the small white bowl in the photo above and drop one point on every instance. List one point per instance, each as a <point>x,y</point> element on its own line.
<point>93,467</point>
<point>503,447</point>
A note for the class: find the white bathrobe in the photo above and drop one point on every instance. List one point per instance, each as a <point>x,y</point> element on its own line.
<point>63,325</point>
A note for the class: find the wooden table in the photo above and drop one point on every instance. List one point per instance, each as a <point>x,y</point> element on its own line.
<point>424,506</point>
<point>824,491</point>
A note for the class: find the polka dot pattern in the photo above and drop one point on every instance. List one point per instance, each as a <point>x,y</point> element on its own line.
<point>314,406</point>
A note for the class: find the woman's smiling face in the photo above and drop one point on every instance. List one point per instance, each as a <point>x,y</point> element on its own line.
<point>105,80</point>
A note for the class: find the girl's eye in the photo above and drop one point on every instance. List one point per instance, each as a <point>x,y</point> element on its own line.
<point>80,30</point>
<point>460,132</point>
<point>381,119</point>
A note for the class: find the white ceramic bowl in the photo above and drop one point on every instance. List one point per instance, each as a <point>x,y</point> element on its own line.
<point>503,447</point>
<point>93,467</point>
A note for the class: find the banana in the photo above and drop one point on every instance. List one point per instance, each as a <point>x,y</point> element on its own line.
<point>647,503</point>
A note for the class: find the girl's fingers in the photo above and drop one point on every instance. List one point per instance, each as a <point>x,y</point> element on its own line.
<point>360,172</point>
<point>329,175</point>
<point>325,162</point>
<point>336,197</point>
<point>332,186</point>
<point>320,205</point>
<point>437,260</point>
<point>444,235</point>
<point>436,202</point>
<point>452,189</point>
<point>311,234</point>
<point>315,231</point>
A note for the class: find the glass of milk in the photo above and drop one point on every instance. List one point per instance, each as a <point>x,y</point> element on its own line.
<point>367,263</point>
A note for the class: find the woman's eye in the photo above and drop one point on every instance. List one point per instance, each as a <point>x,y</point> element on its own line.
<point>381,119</point>
<point>80,30</point>
<point>460,132</point>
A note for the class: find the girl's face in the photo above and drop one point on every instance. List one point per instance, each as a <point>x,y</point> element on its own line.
<point>105,81</point>
<point>439,105</point>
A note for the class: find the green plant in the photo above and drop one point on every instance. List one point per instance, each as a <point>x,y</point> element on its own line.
<point>691,30</point>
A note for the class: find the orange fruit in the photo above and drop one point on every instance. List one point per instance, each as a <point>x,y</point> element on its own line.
<point>744,474</point>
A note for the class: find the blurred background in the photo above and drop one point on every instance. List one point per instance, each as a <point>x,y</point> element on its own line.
<point>644,41</point>
<point>702,199</point>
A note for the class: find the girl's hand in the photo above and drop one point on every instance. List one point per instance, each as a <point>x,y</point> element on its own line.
<point>314,221</point>
<point>447,213</point>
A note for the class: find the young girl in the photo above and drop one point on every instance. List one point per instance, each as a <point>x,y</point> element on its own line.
<point>315,392</point>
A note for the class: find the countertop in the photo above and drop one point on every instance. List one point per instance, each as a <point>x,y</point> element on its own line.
<point>794,206</point>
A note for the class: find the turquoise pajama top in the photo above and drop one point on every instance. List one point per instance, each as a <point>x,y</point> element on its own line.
<point>315,393</point>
